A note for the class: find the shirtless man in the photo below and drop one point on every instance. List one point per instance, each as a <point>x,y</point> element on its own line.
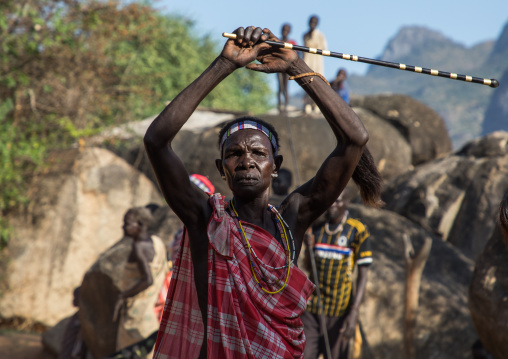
<point>315,39</point>
<point>142,279</point>
<point>283,78</point>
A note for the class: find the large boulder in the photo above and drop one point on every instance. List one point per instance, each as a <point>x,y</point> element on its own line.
<point>127,141</point>
<point>75,212</point>
<point>305,142</point>
<point>455,196</point>
<point>443,326</point>
<point>53,337</point>
<point>497,111</point>
<point>488,295</point>
<point>97,298</point>
<point>312,141</point>
<point>389,148</point>
<point>403,132</point>
<point>422,127</point>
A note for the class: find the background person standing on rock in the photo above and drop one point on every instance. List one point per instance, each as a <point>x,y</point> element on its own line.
<point>314,39</point>
<point>339,244</point>
<point>283,78</point>
<point>142,279</point>
<point>236,291</point>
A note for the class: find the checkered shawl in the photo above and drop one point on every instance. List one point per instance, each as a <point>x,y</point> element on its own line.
<point>243,321</point>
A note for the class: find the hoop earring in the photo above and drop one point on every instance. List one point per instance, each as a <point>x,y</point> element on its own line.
<point>274,175</point>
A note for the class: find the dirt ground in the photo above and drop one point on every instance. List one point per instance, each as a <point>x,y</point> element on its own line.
<point>20,345</point>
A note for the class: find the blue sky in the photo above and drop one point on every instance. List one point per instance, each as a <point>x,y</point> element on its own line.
<point>356,27</point>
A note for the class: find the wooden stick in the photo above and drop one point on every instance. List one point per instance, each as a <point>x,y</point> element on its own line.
<point>415,262</point>
<point>320,302</point>
<point>417,69</point>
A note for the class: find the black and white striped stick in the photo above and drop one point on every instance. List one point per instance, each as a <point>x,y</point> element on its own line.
<point>422,70</point>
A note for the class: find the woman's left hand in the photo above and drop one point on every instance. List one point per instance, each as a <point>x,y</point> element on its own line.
<point>246,47</point>
<point>274,59</point>
<point>249,45</point>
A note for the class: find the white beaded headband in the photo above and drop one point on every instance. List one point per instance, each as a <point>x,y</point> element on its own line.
<point>246,125</point>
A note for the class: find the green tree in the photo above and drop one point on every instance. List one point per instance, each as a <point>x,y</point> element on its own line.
<point>68,68</point>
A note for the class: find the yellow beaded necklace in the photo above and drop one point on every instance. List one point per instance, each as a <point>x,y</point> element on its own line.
<point>253,254</point>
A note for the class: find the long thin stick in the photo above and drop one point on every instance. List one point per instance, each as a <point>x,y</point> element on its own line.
<point>320,304</point>
<point>415,262</point>
<point>422,70</point>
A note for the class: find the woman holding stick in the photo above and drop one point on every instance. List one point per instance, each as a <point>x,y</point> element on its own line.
<point>236,291</point>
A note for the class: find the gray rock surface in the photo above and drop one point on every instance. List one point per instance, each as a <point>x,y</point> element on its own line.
<point>488,295</point>
<point>97,298</point>
<point>52,338</point>
<point>403,132</point>
<point>456,196</point>
<point>75,212</point>
<point>79,203</point>
<point>443,326</point>
<point>496,114</point>
<point>422,127</point>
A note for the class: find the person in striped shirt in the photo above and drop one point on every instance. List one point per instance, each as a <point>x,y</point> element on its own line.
<point>339,243</point>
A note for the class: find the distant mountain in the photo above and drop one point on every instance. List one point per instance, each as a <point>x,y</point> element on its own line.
<point>462,105</point>
<point>496,116</point>
<point>411,39</point>
<point>498,55</point>
<point>415,44</point>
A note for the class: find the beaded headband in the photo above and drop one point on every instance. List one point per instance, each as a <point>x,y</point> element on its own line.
<point>249,125</point>
<point>202,182</point>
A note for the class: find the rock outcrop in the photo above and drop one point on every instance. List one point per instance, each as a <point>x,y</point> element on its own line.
<point>403,133</point>
<point>496,115</point>
<point>443,326</point>
<point>420,126</point>
<point>488,294</point>
<point>456,196</point>
<point>97,298</point>
<point>75,212</point>
<point>78,216</point>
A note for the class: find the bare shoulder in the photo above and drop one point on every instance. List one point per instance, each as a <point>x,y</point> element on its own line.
<point>145,250</point>
<point>289,206</point>
<point>290,211</point>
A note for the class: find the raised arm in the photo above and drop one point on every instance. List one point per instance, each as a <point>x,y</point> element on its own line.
<point>184,198</point>
<point>145,280</point>
<point>180,194</point>
<point>313,198</point>
<point>320,192</point>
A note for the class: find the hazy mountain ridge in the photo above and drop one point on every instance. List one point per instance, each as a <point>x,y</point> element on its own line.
<point>496,116</point>
<point>462,105</point>
<point>501,47</point>
<point>413,42</point>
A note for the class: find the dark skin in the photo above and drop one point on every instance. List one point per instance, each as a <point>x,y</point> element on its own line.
<point>77,350</point>
<point>341,77</point>
<point>313,22</point>
<point>247,160</point>
<point>283,95</point>
<point>142,253</point>
<point>281,184</point>
<point>334,216</point>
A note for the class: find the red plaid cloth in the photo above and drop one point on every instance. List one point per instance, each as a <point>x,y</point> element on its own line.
<point>243,321</point>
<point>161,301</point>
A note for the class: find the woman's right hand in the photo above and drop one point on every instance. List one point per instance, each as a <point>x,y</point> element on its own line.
<point>246,47</point>
<point>249,45</point>
<point>274,59</point>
